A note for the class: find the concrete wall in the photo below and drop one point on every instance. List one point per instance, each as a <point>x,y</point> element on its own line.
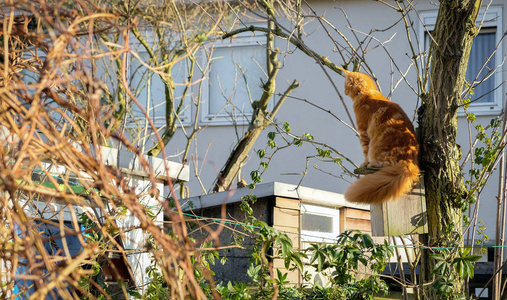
<point>235,269</point>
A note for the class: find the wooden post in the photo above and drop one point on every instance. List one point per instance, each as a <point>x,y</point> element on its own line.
<point>403,216</point>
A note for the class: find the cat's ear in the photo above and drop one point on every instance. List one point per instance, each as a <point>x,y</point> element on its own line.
<point>349,85</point>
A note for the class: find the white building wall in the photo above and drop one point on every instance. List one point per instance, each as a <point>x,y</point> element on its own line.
<point>215,142</point>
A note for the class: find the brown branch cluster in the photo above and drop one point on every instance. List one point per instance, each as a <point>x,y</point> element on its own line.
<point>61,203</point>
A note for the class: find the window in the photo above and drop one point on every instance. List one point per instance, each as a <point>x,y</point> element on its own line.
<point>144,82</point>
<point>486,98</point>
<point>319,224</point>
<point>484,44</point>
<point>235,78</point>
<point>150,92</point>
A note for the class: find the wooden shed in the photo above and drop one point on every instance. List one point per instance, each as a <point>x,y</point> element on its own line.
<point>130,268</point>
<point>305,214</point>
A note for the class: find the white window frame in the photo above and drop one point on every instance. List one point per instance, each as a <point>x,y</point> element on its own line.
<point>241,40</point>
<point>316,236</point>
<point>492,19</point>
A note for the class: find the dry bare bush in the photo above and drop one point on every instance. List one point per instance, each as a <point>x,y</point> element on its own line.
<point>61,203</point>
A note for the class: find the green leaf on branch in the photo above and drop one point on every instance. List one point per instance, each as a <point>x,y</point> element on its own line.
<point>323,153</point>
<point>308,136</point>
<point>261,153</point>
<point>286,127</point>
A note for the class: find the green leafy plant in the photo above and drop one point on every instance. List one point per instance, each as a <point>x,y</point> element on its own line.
<point>233,291</point>
<point>342,262</point>
<point>448,261</point>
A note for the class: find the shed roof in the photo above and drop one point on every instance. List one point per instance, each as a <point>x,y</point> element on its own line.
<point>305,194</point>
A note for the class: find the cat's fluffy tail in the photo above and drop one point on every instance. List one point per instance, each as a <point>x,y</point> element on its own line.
<point>386,184</point>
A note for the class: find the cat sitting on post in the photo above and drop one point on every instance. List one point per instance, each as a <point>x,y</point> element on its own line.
<point>388,140</point>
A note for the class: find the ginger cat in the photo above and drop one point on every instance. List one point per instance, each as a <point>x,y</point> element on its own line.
<point>388,140</point>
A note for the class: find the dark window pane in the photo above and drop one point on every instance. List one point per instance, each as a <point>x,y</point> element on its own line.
<point>311,222</point>
<point>482,47</point>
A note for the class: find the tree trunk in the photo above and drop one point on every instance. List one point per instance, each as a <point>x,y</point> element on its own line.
<point>240,153</point>
<point>454,31</point>
<point>259,119</point>
<point>170,117</point>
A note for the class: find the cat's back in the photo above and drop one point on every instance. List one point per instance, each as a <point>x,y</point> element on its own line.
<point>391,131</point>
<point>389,116</point>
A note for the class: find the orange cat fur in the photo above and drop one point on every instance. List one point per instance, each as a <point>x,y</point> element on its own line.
<point>388,141</point>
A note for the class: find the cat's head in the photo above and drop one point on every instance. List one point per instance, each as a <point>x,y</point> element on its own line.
<point>357,82</point>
